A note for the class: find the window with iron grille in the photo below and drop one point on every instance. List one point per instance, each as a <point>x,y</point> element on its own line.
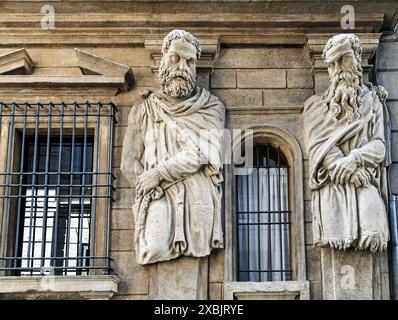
<point>55,188</point>
<point>263,218</point>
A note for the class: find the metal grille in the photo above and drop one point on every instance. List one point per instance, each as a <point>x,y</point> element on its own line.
<point>55,187</point>
<point>263,218</point>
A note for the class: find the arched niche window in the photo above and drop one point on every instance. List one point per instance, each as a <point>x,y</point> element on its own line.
<point>263,217</point>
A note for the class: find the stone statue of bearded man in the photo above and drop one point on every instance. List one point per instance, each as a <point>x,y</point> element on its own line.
<point>347,141</point>
<point>172,155</point>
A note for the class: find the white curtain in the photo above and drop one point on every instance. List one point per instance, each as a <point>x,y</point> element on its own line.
<point>263,230</point>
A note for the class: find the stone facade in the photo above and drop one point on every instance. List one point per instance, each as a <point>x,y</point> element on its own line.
<point>261,58</point>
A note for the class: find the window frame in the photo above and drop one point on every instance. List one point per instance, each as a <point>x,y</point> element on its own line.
<point>289,146</point>
<point>101,130</point>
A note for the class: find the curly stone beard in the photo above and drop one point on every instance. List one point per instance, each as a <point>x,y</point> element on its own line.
<point>176,83</point>
<point>342,97</point>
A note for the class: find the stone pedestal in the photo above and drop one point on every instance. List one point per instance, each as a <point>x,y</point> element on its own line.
<point>184,278</point>
<point>352,275</point>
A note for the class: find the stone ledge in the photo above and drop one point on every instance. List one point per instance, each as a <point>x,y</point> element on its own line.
<point>277,290</point>
<point>59,287</point>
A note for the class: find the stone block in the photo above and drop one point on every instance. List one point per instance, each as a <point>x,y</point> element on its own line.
<point>123,198</point>
<point>239,97</point>
<point>389,79</point>
<point>350,275</point>
<point>133,57</point>
<point>286,97</point>
<point>121,181</point>
<point>134,277</point>
<point>394,180</point>
<point>267,78</point>
<point>223,79</point>
<point>122,220</point>
<point>394,146</point>
<point>321,82</point>
<point>122,240</point>
<point>393,112</point>
<point>216,273</point>
<point>262,58</point>
<point>313,262</point>
<point>184,278</point>
<point>215,291</point>
<point>316,290</point>
<point>144,77</point>
<point>300,78</point>
<point>308,233</point>
<point>307,211</point>
<point>388,55</point>
<point>52,71</point>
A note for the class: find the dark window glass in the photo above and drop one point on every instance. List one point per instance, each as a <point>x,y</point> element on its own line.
<point>263,218</point>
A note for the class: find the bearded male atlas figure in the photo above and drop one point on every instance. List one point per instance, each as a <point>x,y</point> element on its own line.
<point>172,154</point>
<point>347,141</point>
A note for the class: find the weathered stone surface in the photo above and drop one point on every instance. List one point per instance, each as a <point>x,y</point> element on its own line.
<point>123,198</point>
<point>350,275</point>
<point>262,58</point>
<point>184,278</point>
<point>389,79</point>
<point>216,270</point>
<point>394,146</point>
<point>215,291</point>
<point>277,290</point>
<point>313,262</point>
<point>286,97</point>
<point>55,287</point>
<point>267,78</point>
<point>122,220</point>
<point>300,78</point>
<point>394,181</point>
<point>240,97</point>
<point>223,79</point>
<point>315,290</point>
<point>393,111</point>
<point>308,234</point>
<point>134,277</point>
<point>388,55</point>
<point>122,240</point>
<point>308,212</point>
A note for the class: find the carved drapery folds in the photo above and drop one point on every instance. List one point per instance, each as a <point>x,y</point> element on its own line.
<point>347,141</point>
<point>172,156</point>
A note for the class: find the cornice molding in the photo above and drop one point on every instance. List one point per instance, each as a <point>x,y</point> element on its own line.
<point>16,62</point>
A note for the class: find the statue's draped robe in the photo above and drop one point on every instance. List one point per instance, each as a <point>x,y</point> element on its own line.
<point>345,216</point>
<point>184,141</point>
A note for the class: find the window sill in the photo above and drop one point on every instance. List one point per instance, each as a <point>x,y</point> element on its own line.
<point>278,290</point>
<point>59,287</point>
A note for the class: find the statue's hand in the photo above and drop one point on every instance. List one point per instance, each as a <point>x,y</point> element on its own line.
<point>343,170</point>
<point>360,178</point>
<point>147,181</point>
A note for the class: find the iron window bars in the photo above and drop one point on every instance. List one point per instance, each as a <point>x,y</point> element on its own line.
<point>55,188</point>
<point>263,218</point>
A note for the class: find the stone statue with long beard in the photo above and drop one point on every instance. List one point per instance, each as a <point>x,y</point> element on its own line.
<point>172,155</point>
<point>347,141</point>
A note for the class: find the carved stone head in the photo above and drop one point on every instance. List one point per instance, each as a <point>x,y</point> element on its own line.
<point>343,53</point>
<point>177,71</point>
